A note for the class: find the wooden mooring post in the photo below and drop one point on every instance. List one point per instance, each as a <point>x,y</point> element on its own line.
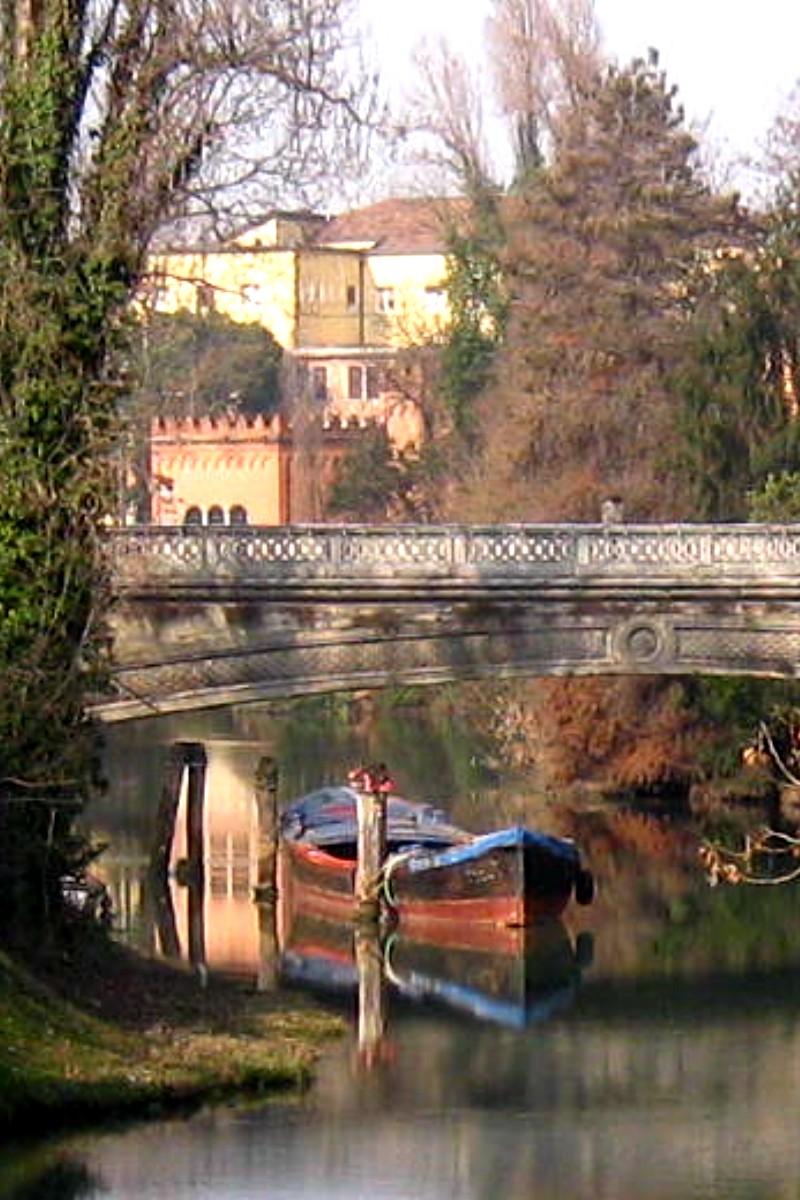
<point>371,850</point>
<point>372,996</point>
<point>167,813</point>
<point>184,759</point>
<point>196,767</point>
<point>267,779</point>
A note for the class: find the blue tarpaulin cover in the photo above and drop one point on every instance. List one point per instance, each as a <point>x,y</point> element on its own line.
<point>515,835</point>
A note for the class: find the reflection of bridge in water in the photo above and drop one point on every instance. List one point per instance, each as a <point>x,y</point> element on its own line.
<point>209,617</point>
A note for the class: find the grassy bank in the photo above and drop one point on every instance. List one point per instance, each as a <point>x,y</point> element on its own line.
<point>100,1034</point>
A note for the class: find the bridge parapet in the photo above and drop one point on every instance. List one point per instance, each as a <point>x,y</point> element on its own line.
<point>150,556</point>
<point>211,616</point>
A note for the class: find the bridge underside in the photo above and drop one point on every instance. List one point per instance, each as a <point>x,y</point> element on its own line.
<point>176,655</point>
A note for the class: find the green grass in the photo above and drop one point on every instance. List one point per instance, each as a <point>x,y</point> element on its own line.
<point>59,1062</point>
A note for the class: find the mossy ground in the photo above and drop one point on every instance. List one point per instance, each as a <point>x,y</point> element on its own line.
<point>97,1033</point>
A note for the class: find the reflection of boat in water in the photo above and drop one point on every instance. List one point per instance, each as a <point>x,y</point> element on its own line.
<point>435,876</point>
<point>515,985</point>
<point>511,990</point>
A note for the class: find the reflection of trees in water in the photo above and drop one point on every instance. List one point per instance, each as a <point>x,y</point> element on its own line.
<point>656,914</point>
<point>65,1179</point>
<point>420,733</point>
<point>654,908</point>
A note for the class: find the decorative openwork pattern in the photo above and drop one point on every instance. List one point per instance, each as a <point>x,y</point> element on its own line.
<point>226,615</point>
<point>522,547</point>
<point>393,548</point>
<point>428,551</point>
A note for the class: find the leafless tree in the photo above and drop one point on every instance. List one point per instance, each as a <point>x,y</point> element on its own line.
<point>780,165</point>
<point>544,54</point>
<point>169,107</point>
<point>447,109</point>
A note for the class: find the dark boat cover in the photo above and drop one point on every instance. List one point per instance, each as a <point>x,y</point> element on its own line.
<point>329,816</point>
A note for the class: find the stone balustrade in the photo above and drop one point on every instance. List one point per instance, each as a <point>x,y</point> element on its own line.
<point>150,555</point>
<point>210,616</point>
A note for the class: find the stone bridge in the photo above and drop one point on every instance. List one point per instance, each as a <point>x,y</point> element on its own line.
<point>207,617</point>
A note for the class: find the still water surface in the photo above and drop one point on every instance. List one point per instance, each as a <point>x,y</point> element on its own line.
<point>646,1047</point>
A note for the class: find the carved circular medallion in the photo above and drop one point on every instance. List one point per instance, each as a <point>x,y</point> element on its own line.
<point>643,641</point>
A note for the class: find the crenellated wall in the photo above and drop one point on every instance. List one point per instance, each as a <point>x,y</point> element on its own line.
<point>258,470</point>
<point>234,468</point>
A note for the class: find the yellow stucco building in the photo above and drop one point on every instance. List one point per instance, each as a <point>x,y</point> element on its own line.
<point>341,295</point>
<point>336,293</point>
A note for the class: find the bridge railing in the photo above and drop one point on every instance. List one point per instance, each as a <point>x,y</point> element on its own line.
<point>158,554</point>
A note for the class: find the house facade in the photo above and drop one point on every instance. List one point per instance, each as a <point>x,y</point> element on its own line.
<point>342,296</point>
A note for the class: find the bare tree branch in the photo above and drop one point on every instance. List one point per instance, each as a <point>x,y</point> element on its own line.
<point>544,55</point>
<point>447,106</point>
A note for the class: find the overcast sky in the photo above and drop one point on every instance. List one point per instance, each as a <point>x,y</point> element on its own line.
<point>733,63</point>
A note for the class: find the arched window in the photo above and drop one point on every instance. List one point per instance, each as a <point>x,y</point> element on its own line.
<point>237,515</point>
<point>216,515</point>
<point>193,516</point>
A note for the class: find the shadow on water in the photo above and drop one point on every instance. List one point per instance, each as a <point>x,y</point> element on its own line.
<point>42,1176</point>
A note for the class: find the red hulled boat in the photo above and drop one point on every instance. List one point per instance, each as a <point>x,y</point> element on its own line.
<point>437,879</point>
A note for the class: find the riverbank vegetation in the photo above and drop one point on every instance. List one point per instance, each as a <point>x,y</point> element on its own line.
<point>116,121</point>
<point>95,1034</point>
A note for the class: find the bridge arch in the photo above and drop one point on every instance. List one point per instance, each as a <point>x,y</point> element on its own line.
<point>233,614</point>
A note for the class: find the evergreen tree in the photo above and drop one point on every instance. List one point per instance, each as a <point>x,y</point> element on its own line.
<point>375,484</point>
<point>190,364</point>
<point>599,249</point>
<point>740,385</point>
<point>478,309</point>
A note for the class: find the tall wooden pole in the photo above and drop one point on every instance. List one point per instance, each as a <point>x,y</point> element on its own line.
<point>196,766</point>
<point>169,800</point>
<point>372,996</point>
<point>266,793</point>
<point>371,852</point>
<point>189,758</point>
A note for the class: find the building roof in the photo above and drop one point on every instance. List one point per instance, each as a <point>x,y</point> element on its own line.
<point>408,225</point>
<point>400,225</point>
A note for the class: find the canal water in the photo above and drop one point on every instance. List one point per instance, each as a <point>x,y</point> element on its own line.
<point>648,1046</point>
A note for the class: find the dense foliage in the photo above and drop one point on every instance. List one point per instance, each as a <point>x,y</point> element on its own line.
<point>114,117</point>
<point>599,250</point>
<point>738,385</point>
<point>478,308</point>
<point>189,364</point>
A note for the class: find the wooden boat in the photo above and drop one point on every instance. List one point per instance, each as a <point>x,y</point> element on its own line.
<point>437,879</point>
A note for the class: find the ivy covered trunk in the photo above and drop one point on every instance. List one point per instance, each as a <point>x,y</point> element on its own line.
<point>115,116</point>
<point>58,296</point>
